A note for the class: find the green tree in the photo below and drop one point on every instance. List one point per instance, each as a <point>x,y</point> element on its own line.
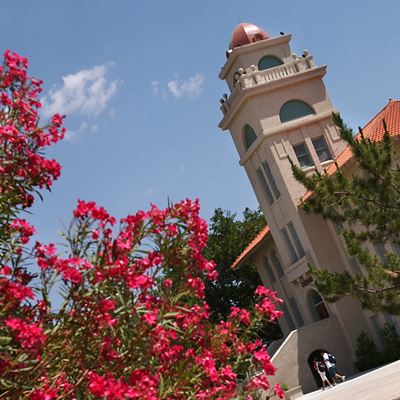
<point>366,208</point>
<point>228,237</point>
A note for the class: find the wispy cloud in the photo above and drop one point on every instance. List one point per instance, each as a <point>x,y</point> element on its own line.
<point>86,92</point>
<point>189,88</point>
<point>73,134</point>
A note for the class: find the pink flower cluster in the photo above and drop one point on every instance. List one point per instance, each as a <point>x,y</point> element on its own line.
<point>29,335</point>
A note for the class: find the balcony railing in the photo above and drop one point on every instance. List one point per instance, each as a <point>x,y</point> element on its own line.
<point>256,78</point>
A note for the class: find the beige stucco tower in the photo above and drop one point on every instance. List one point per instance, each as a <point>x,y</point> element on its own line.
<point>278,108</point>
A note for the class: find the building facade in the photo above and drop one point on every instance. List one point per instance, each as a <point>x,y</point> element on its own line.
<point>278,108</point>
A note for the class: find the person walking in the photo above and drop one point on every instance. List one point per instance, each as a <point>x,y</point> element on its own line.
<point>321,369</point>
<point>330,362</point>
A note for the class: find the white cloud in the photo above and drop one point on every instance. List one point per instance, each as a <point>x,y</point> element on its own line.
<point>73,134</point>
<point>191,87</point>
<point>86,92</point>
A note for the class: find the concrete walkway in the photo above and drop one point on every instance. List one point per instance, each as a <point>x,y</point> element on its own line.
<point>380,384</point>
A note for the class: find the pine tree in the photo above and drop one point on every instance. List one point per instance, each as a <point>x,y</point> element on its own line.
<point>366,209</point>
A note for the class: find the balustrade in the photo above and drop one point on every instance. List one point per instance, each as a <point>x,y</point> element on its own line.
<point>256,77</point>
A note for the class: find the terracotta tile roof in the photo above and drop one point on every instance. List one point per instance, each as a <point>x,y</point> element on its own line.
<point>252,246</point>
<point>373,130</point>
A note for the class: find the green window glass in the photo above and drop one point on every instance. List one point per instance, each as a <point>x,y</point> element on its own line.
<point>249,136</point>
<point>269,62</point>
<point>294,109</point>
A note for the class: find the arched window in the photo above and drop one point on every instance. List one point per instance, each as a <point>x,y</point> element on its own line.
<point>269,62</point>
<point>317,306</point>
<point>294,109</point>
<point>249,136</point>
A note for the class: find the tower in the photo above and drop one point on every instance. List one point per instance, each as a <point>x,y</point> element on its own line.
<point>278,108</point>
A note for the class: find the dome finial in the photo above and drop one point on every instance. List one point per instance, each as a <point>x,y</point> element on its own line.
<point>246,33</point>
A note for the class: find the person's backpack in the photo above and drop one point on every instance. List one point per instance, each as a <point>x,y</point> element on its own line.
<point>331,359</point>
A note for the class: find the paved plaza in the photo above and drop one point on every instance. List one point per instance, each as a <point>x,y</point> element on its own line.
<point>380,384</point>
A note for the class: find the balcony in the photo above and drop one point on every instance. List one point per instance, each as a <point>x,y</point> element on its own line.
<point>249,81</point>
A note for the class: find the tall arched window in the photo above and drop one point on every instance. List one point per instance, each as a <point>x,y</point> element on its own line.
<point>317,306</point>
<point>249,136</point>
<point>269,62</point>
<point>294,109</point>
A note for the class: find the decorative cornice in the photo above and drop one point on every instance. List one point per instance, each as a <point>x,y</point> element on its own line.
<point>285,126</point>
<point>266,87</point>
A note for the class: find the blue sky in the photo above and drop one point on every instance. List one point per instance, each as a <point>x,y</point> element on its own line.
<point>138,82</point>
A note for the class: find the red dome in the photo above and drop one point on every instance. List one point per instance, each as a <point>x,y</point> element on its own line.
<point>247,33</point>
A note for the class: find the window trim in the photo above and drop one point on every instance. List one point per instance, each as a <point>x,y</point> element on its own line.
<point>293,242</point>
<point>271,180</point>
<point>264,184</point>
<point>289,245</point>
<point>297,242</point>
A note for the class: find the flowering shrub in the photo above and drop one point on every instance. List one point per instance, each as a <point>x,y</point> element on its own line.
<point>133,323</point>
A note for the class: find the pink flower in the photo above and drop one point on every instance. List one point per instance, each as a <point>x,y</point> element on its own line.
<point>29,335</point>
<point>167,283</point>
<point>150,317</point>
<point>109,387</point>
<point>279,391</point>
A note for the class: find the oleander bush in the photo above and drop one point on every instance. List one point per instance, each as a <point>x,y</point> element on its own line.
<point>133,322</point>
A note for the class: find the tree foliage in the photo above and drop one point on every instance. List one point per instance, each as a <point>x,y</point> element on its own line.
<point>367,355</point>
<point>227,238</point>
<point>133,322</point>
<point>366,209</point>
